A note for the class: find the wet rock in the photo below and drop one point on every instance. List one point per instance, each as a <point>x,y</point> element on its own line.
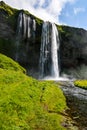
<point>77,102</point>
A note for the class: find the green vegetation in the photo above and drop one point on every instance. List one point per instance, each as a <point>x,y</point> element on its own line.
<point>60,28</point>
<point>26,103</point>
<point>8,64</point>
<point>39,21</point>
<point>70,33</point>
<point>7,8</point>
<point>81,83</point>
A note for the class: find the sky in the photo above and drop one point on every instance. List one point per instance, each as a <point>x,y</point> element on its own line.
<point>65,12</point>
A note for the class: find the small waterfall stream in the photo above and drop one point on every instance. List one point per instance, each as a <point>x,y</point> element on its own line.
<point>49,65</point>
<point>26,28</point>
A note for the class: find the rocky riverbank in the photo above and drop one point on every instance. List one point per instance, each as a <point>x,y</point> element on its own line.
<point>77,102</point>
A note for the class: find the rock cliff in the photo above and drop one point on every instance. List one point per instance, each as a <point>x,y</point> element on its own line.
<point>26,49</point>
<point>73,51</point>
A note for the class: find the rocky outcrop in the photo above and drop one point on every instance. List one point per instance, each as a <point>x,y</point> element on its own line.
<point>7,30</point>
<point>73,50</point>
<point>73,44</point>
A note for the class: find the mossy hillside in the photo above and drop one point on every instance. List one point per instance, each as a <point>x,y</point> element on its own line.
<point>7,63</point>
<point>26,103</point>
<point>81,83</point>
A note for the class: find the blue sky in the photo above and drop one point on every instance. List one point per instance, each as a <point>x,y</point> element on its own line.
<point>68,12</point>
<point>75,14</point>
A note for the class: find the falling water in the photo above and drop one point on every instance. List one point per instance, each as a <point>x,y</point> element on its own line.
<point>54,48</point>
<point>24,25</point>
<point>34,24</point>
<point>34,29</point>
<point>19,34</point>
<point>19,26</point>
<point>49,51</point>
<point>26,28</point>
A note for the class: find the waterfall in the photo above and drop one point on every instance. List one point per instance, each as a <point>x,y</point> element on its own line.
<point>19,26</point>
<point>34,29</point>
<point>54,51</point>
<point>18,34</point>
<point>34,24</point>
<point>26,26</point>
<point>26,29</point>
<point>49,51</point>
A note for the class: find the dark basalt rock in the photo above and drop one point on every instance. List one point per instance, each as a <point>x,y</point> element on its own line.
<point>73,50</point>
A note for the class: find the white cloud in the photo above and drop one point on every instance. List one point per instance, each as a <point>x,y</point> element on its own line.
<point>48,10</point>
<point>78,10</point>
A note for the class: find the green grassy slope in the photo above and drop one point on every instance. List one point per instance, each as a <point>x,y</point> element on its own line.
<point>81,83</point>
<point>8,64</point>
<point>27,104</point>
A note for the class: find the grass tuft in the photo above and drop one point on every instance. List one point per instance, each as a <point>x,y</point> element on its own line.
<point>81,83</point>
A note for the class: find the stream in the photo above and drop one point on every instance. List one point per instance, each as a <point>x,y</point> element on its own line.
<point>77,102</point>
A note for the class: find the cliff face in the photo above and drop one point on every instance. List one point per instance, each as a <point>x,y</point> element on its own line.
<point>17,46</point>
<point>7,29</point>
<point>26,49</point>
<point>73,51</point>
